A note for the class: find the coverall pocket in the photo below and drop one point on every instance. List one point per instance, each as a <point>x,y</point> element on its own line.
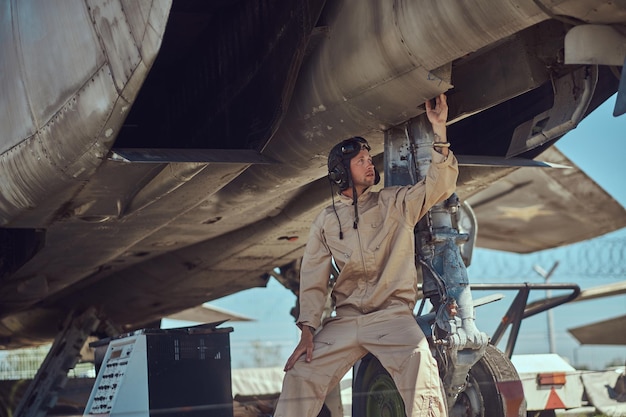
<point>341,253</point>
<point>330,319</point>
<point>321,345</point>
<point>378,240</point>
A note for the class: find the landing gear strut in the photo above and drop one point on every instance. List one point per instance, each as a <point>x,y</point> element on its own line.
<point>476,376</point>
<point>43,391</point>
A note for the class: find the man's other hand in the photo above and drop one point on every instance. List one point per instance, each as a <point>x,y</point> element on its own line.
<point>305,347</point>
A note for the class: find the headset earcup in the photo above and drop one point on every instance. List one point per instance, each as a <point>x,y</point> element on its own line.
<point>334,175</point>
<point>339,176</point>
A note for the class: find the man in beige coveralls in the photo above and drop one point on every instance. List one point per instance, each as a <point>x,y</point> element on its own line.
<point>373,246</point>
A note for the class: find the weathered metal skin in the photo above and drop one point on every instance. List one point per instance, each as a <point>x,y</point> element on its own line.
<point>72,71</point>
<point>82,77</point>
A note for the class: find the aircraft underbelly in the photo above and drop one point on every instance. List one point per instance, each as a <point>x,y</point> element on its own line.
<point>283,80</point>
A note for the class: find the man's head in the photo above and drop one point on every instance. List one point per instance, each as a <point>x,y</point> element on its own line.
<point>355,152</point>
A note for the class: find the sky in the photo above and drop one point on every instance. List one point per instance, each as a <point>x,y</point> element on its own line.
<point>597,146</point>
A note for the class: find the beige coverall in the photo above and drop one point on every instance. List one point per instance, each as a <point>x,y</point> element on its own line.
<point>374,295</point>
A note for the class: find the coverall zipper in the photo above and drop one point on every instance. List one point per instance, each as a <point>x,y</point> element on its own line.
<point>365,280</point>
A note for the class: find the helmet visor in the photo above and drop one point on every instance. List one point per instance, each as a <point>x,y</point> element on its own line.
<point>353,146</point>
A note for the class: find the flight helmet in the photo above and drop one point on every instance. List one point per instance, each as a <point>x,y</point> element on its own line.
<point>339,161</point>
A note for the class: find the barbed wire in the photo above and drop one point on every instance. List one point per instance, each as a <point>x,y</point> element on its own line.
<point>602,258</point>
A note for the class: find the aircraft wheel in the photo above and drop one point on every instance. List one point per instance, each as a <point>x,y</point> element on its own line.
<point>543,413</point>
<point>374,393</point>
<point>490,380</point>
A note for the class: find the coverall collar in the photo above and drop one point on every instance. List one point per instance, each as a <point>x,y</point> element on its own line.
<point>363,197</point>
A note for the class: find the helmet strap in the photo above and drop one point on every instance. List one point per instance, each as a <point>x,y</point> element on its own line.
<point>332,196</point>
<point>356,210</point>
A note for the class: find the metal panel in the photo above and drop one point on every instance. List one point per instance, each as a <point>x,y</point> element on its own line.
<point>15,114</point>
<point>116,37</point>
<point>59,52</point>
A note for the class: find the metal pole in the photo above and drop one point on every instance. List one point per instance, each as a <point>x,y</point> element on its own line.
<point>546,276</point>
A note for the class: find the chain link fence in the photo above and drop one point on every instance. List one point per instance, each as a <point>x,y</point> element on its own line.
<point>24,363</point>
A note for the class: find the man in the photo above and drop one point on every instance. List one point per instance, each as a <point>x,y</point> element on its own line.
<point>370,237</point>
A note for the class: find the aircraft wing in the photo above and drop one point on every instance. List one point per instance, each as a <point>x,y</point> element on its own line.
<point>158,155</point>
<point>533,209</point>
<point>593,293</point>
<point>606,332</point>
<point>206,313</point>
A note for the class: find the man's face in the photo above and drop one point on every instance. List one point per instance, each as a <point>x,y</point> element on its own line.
<point>362,170</point>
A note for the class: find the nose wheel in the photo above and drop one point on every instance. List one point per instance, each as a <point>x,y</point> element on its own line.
<point>494,389</point>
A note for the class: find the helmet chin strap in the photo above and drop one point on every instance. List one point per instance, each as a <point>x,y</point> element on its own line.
<point>354,202</point>
<point>332,196</point>
<point>356,211</point>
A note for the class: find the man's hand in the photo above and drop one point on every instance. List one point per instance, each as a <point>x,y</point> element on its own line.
<point>438,117</point>
<point>305,346</point>
<point>439,114</point>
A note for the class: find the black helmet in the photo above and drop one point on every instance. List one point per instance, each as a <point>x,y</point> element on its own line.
<point>339,161</point>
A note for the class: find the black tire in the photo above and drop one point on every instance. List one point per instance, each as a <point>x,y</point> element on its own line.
<point>491,380</point>
<point>543,413</point>
<point>375,394</point>
<point>324,412</point>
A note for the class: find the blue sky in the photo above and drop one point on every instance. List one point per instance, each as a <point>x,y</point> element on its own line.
<point>598,147</point>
